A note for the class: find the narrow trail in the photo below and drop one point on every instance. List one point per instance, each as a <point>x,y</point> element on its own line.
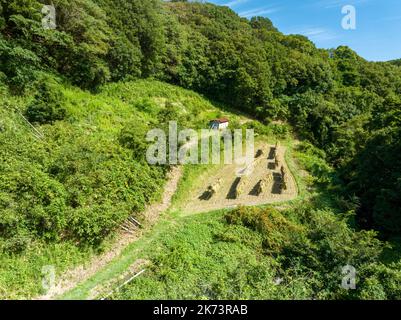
<point>89,280</point>
<point>73,277</point>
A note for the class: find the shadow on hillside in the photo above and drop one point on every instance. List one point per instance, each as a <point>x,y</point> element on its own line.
<point>233,188</point>
<point>276,189</point>
<point>271,166</point>
<point>205,196</point>
<point>272,152</point>
<point>254,191</point>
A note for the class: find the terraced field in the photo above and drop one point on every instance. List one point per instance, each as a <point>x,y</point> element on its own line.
<point>225,197</point>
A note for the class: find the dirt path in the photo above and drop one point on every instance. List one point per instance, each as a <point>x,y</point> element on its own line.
<point>73,277</point>
<point>193,205</point>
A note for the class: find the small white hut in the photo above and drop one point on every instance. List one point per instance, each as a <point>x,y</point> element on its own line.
<point>219,124</point>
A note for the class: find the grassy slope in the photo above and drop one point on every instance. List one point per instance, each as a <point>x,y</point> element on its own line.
<point>21,274</point>
<point>195,235</point>
<point>97,119</point>
<point>208,252</point>
<point>204,257</point>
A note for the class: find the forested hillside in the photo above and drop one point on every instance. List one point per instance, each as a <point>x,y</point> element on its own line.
<point>343,104</point>
<point>76,185</point>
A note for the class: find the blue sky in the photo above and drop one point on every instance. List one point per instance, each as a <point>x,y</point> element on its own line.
<point>377,36</point>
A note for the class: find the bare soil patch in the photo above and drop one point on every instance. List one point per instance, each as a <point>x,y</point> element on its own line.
<point>225,197</point>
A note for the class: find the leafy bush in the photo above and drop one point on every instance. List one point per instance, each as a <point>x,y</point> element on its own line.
<point>320,244</point>
<point>313,159</point>
<point>19,65</point>
<point>133,137</point>
<point>47,106</point>
<point>276,230</point>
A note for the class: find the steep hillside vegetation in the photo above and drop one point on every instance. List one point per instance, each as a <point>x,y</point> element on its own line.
<point>72,162</point>
<point>292,250</point>
<point>263,254</point>
<point>340,102</point>
<point>67,185</point>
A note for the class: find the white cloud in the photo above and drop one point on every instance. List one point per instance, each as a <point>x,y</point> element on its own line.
<point>316,34</point>
<point>258,12</point>
<point>234,3</point>
<point>329,4</point>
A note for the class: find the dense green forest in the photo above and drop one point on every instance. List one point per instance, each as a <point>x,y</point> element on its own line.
<point>78,184</point>
<point>253,253</point>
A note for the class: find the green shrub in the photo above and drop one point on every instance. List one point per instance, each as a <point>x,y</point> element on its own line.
<point>320,244</point>
<point>133,137</point>
<point>19,64</point>
<point>47,106</point>
<point>274,227</point>
<point>313,160</point>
